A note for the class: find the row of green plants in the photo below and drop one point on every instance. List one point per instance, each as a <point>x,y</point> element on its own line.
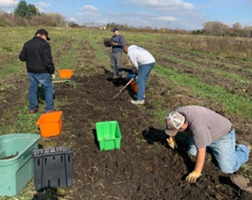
<point>16,65</point>
<point>22,122</point>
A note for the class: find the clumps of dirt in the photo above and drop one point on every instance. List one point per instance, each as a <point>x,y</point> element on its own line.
<point>7,58</point>
<point>145,167</point>
<point>12,92</point>
<point>9,157</point>
<point>61,51</point>
<point>107,42</point>
<point>86,60</point>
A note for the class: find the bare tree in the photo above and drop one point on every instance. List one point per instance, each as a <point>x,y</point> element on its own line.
<point>237,26</point>
<point>214,28</point>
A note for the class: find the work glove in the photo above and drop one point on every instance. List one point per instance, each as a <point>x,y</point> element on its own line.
<point>171,144</point>
<point>134,70</point>
<point>192,177</point>
<point>120,70</point>
<point>52,76</point>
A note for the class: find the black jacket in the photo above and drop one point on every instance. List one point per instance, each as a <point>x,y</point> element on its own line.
<point>37,54</point>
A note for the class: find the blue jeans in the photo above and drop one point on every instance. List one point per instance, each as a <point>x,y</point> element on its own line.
<point>230,157</point>
<point>143,73</point>
<point>45,80</point>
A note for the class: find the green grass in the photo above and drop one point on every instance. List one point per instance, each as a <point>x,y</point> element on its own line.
<point>68,58</point>
<point>232,75</point>
<point>231,103</point>
<point>17,120</point>
<point>195,52</point>
<point>23,123</point>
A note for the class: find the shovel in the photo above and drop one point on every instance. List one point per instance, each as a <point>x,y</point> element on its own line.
<point>123,88</point>
<point>60,81</point>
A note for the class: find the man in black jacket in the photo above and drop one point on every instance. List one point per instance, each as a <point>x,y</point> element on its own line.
<point>38,57</point>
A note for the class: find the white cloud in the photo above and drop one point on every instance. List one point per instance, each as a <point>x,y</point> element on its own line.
<point>42,4</point>
<point>165,18</point>
<point>136,21</point>
<point>131,14</point>
<point>164,4</point>
<point>179,13</point>
<point>8,3</point>
<point>71,19</point>
<point>87,14</point>
<point>90,8</point>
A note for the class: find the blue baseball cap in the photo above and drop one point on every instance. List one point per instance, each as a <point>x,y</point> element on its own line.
<point>115,29</point>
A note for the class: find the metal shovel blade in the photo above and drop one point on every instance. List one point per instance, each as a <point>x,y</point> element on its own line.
<point>60,81</point>
<point>117,95</point>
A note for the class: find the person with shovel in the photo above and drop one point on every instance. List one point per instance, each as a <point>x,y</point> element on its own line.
<point>116,55</point>
<point>208,131</point>
<point>142,62</point>
<point>37,55</point>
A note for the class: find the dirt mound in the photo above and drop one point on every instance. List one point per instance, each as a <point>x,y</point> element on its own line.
<point>144,167</point>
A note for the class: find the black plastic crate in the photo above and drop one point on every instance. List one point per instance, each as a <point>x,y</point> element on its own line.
<point>52,168</point>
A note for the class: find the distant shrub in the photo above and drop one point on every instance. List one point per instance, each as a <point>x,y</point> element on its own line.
<point>227,47</point>
<point>73,24</point>
<point>19,21</point>
<point>4,23</point>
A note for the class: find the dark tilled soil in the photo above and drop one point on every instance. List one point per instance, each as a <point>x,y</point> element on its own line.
<point>144,167</point>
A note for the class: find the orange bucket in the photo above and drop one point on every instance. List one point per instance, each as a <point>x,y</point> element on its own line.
<point>133,86</point>
<point>50,124</point>
<point>65,73</point>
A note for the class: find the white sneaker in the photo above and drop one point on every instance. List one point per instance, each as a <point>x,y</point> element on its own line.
<point>135,96</point>
<point>137,102</point>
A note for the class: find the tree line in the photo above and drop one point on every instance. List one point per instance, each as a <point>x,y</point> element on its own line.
<point>27,14</point>
<point>221,29</point>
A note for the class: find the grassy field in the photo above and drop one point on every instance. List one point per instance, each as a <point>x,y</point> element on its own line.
<point>212,72</point>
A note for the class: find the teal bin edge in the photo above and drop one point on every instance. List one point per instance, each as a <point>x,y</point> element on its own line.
<point>16,172</point>
<point>34,137</point>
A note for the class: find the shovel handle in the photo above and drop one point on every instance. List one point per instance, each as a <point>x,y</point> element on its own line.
<point>123,88</point>
<point>129,81</point>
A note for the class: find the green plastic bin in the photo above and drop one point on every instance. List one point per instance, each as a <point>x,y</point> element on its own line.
<point>108,135</point>
<point>17,171</point>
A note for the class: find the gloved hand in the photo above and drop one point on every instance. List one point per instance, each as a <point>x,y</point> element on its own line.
<point>172,143</point>
<point>53,76</point>
<point>120,70</point>
<point>134,70</point>
<point>192,177</point>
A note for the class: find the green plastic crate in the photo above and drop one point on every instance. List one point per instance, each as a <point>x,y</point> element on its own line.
<point>108,135</point>
<point>16,172</point>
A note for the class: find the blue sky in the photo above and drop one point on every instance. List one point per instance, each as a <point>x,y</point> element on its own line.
<point>183,14</point>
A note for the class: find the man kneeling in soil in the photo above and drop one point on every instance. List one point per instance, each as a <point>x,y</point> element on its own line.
<point>208,131</point>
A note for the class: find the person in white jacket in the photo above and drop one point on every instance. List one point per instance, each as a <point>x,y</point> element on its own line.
<point>142,62</point>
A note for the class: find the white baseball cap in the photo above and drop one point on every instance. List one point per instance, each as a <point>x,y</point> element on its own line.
<point>174,120</point>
